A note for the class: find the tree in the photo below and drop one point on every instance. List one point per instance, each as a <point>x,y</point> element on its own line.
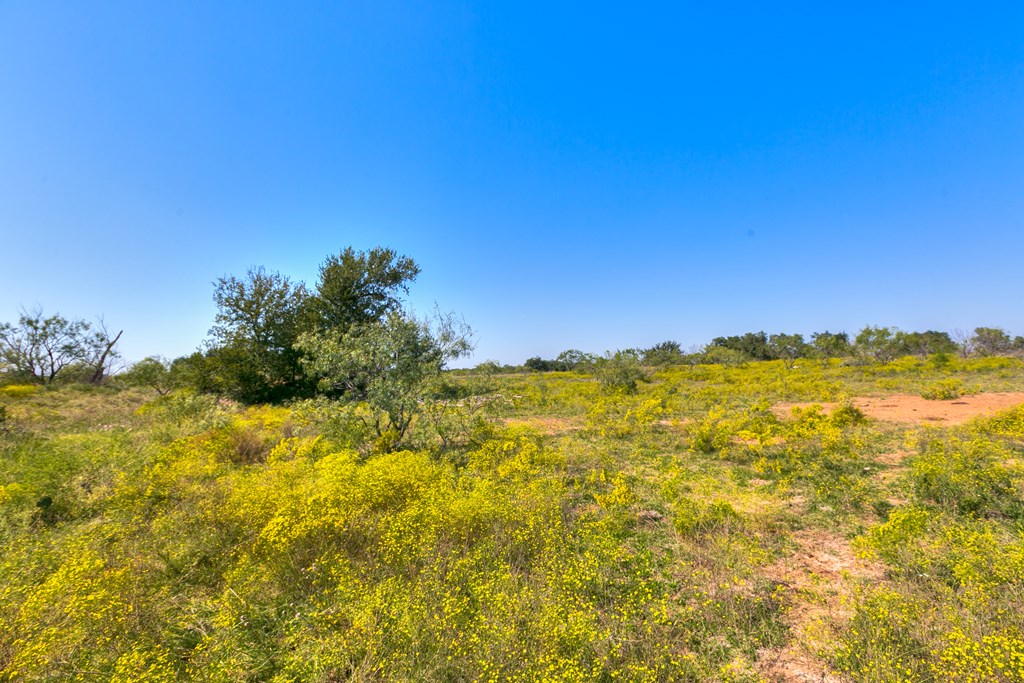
<point>356,288</point>
<point>828,345</point>
<point>574,359</point>
<point>199,371</point>
<point>620,371</point>
<point>664,353</point>
<point>964,341</point>
<point>787,347</point>
<point>101,366</point>
<point>754,345</point>
<point>254,334</point>
<point>387,365</point>
<point>253,353</point>
<point>881,343</point>
<point>538,364</point>
<point>45,349</point>
<point>991,341</point>
<point>152,372</point>
<point>927,343</point>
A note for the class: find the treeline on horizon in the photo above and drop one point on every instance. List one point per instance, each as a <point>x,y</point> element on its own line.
<point>871,344</point>
<point>350,336</point>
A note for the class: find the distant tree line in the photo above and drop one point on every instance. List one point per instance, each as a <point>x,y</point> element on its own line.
<point>349,337</point>
<point>871,344</point>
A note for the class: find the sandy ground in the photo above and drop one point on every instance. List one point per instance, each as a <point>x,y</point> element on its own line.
<point>917,410</point>
<point>819,577</point>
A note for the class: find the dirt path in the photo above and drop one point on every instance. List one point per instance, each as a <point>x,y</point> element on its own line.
<point>819,576</point>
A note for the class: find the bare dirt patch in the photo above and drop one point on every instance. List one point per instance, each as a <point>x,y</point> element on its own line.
<point>892,458</point>
<point>917,410</point>
<point>818,578</point>
<point>821,554</point>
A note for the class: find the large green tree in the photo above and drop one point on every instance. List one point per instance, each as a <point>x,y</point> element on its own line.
<point>752,344</point>
<point>827,345</point>
<point>252,353</point>
<point>358,287</point>
<point>991,341</point>
<point>665,353</point>
<point>883,344</point>
<point>254,333</point>
<point>927,343</point>
<point>788,347</point>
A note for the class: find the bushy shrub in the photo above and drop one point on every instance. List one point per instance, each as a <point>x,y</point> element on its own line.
<point>711,434</point>
<point>693,517</point>
<point>846,415</point>
<point>945,390</point>
<point>620,372</point>
<point>609,416</point>
<point>967,476</point>
<point>18,390</point>
<point>152,373</point>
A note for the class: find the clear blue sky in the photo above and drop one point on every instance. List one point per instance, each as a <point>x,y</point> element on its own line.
<point>591,175</point>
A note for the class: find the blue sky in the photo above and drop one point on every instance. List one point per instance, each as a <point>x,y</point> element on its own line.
<point>595,176</point>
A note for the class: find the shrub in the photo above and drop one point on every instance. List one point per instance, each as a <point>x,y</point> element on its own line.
<point>965,476</point>
<point>18,390</point>
<point>711,434</point>
<point>945,390</point>
<point>620,372</point>
<point>613,416</point>
<point>846,415</point>
<point>693,517</point>
<point>152,372</point>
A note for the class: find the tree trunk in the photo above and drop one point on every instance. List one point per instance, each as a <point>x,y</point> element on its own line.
<point>97,375</point>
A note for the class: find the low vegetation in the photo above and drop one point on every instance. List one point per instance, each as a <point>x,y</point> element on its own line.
<point>631,516</point>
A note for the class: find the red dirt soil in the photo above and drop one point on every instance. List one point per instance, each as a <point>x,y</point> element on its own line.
<point>917,410</point>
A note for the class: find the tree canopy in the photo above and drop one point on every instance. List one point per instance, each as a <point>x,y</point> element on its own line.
<point>386,364</point>
<point>252,353</point>
<point>44,349</point>
<point>361,287</point>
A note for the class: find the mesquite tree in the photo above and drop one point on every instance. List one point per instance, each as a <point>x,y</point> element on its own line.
<point>44,349</point>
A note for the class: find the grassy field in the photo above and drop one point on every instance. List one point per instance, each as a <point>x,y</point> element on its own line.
<point>753,523</point>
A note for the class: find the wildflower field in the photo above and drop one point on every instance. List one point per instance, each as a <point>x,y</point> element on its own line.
<point>714,523</point>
